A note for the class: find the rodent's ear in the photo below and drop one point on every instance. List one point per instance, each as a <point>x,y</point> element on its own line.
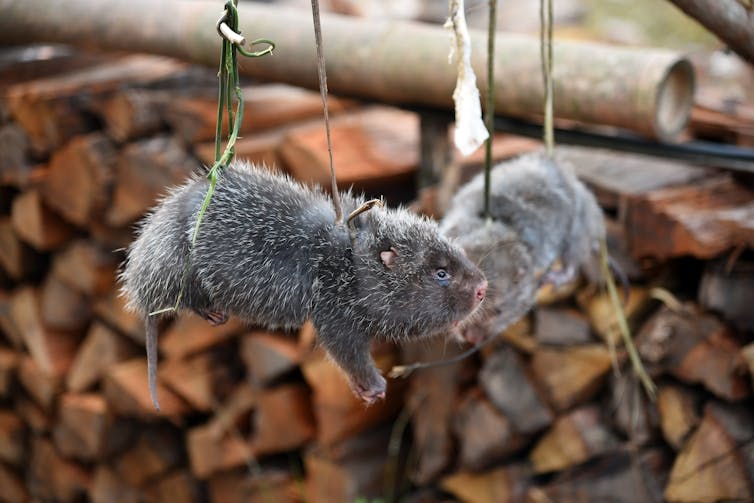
<point>388,257</point>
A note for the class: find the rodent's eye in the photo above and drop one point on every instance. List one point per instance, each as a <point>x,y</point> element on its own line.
<point>442,276</point>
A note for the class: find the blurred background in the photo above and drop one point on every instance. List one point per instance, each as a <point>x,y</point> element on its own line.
<point>90,138</point>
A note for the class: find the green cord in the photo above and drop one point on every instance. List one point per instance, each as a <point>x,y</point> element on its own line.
<point>229,86</point>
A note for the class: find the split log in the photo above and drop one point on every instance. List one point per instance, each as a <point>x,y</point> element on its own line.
<point>143,172</point>
<point>112,238</point>
<point>485,435</point>
<point>212,450</point>
<point>190,334</point>
<point>601,312</point>
<point>747,355</point>
<point>730,20</point>
<point>239,486</point>
<point>571,375</point>
<point>53,478</point>
<point>234,411</point>
<point>520,335</point>
<point>18,259</point>
<point>696,348</point>
<point>678,410</point>
<point>15,167</point>
<point>506,484</point>
<point>633,413</point>
<point>623,477</point>
<point>157,451</point>
<point>63,308</point>
<point>574,438</point>
<point>266,106</point>
<point>35,417</point>
<point>8,325</point>
<point>201,380</point>
<point>338,412</point>
<point>42,387</point>
<point>561,327</point>
<point>101,349</point>
<point>112,311</point>
<point>79,178</point>
<point>614,176</point>
<point>268,356</point>
<point>108,487</point>
<point>283,420</point>
<point>728,290</point>
<point>85,429</point>
<point>376,146</point>
<point>655,86</point>
<point>307,340</point>
<point>177,487</point>
<point>51,350</point>
<point>12,439</point>
<point>356,470</point>
<point>715,464</point>
<point>9,361</point>
<point>511,389</point>
<point>86,267</point>
<point>127,392</point>
<point>617,247</point>
<point>432,397</point>
<point>36,224</point>
<point>40,61</point>
<point>133,114</point>
<point>12,488</point>
<point>699,220</point>
<point>50,110</point>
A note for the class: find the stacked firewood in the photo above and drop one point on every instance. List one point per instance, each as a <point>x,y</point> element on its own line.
<point>89,142</point>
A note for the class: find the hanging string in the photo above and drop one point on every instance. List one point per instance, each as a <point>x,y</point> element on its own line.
<point>545,47</point>
<point>490,108</point>
<point>323,90</point>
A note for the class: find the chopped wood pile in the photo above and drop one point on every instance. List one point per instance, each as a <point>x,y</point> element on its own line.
<point>89,142</point>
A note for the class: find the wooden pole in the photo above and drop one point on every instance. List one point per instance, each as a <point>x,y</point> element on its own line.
<point>730,20</point>
<point>645,90</point>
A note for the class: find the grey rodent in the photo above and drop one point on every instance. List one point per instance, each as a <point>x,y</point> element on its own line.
<point>540,212</point>
<point>269,251</point>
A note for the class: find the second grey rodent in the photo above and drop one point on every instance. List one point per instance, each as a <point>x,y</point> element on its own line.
<point>269,251</point>
<point>540,214</point>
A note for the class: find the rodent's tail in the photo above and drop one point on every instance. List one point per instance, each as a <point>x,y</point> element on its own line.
<point>150,324</point>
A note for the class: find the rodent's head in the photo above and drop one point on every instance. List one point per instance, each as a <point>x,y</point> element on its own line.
<point>414,279</point>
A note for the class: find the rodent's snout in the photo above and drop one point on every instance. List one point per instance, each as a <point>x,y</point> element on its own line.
<point>481,290</point>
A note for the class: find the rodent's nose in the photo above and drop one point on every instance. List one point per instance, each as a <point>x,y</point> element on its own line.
<point>481,291</point>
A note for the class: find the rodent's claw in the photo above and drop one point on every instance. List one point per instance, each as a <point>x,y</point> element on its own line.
<point>215,318</point>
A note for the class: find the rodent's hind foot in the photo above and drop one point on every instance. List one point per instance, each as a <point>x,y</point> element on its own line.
<point>370,394</point>
<point>214,318</point>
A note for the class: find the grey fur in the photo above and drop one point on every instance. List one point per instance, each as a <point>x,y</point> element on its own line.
<point>269,252</point>
<point>540,213</point>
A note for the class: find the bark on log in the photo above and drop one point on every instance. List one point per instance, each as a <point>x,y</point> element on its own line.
<point>653,87</point>
<point>730,20</point>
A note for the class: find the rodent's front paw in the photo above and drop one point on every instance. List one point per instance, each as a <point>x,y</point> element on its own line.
<point>473,334</point>
<point>371,392</point>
